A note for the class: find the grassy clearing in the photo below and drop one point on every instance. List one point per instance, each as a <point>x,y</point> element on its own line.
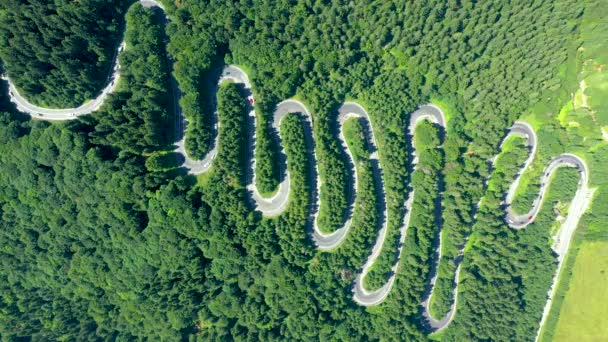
<point>204,178</point>
<point>400,57</point>
<point>436,336</point>
<point>548,329</point>
<point>583,312</point>
<point>579,303</point>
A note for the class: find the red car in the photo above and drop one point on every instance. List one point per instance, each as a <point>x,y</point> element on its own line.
<point>250,99</point>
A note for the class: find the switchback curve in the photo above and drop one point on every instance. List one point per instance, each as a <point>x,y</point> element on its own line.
<point>578,206</point>
<point>279,202</point>
<point>369,298</point>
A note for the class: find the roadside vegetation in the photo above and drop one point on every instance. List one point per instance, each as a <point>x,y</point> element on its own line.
<point>138,117</point>
<point>297,139</point>
<point>508,163</point>
<point>232,110</point>
<point>585,117</point>
<point>424,225</point>
<point>368,213</point>
<point>582,302</point>
<point>526,251</point>
<point>97,245</point>
<point>58,54</point>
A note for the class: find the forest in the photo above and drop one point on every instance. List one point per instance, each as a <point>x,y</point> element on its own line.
<point>104,237</point>
<point>57,52</point>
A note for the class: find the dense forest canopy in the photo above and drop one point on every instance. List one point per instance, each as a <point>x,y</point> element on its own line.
<point>103,237</point>
<point>60,52</point>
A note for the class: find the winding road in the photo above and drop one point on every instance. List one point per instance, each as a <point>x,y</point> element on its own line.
<point>279,202</point>
<point>369,298</point>
<point>68,113</point>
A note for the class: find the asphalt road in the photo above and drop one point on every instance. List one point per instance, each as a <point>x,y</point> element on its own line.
<point>361,295</point>
<point>579,204</point>
<point>278,203</point>
<point>67,113</point>
<point>562,241</point>
<point>436,116</point>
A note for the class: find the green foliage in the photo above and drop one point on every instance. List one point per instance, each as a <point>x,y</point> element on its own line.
<point>266,167</point>
<point>509,162</point>
<point>524,256</point>
<point>163,161</point>
<point>97,246</point>
<point>91,244</point>
<point>367,212</point>
<point>232,110</point>
<point>136,118</point>
<point>297,139</point>
<point>195,48</point>
<point>423,222</point>
<point>357,139</point>
<point>59,53</point>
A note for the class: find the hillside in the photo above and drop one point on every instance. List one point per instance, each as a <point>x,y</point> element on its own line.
<point>301,170</point>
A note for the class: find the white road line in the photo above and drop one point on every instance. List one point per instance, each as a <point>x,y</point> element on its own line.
<point>278,203</point>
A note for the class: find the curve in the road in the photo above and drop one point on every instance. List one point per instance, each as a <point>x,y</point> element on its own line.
<point>278,203</point>
<point>516,221</point>
<point>67,113</point>
<point>437,324</point>
<point>361,294</point>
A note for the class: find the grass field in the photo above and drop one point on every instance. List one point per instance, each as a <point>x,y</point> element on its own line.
<point>583,313</point>
<point>578,123</point>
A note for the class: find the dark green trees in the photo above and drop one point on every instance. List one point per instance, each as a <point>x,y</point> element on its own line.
<point>138,117</point>
<point>232,108</point>
<point>98,243</point>
<point>60,53</point>
<point>90,251</point>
